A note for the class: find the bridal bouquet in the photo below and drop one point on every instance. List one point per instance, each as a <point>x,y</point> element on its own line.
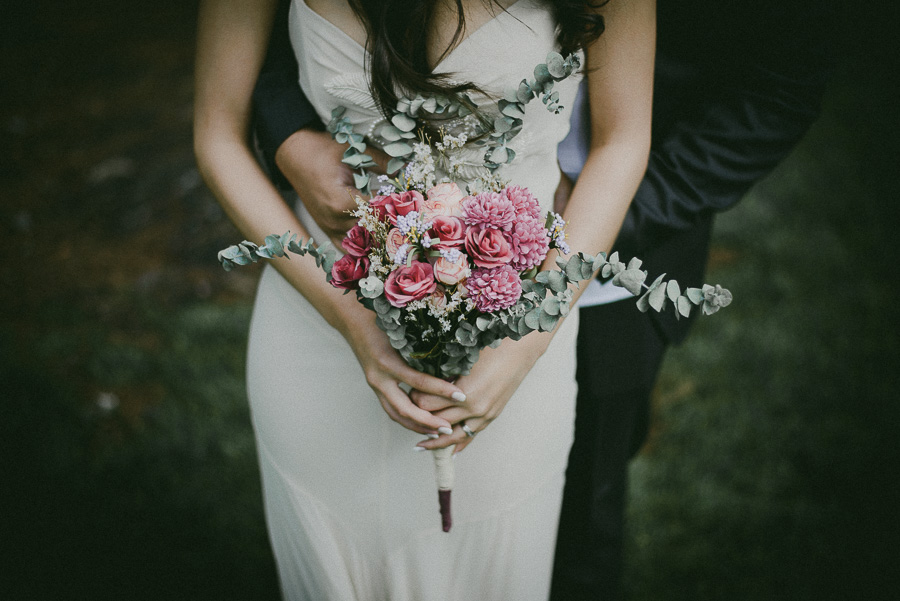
<point>448,272</point>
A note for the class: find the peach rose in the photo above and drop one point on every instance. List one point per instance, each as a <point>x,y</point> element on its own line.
<point>449,272</point>
<point>438,298</point>
<point>443,199</point>
<point>393,242</point>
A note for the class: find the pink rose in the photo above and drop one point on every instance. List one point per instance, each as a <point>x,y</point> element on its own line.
<point>393,242</point>
<point>488,247</point>
<point>348,270</point>
<point>406,284</point>
<point>450,231</point>
<point>443,199</point>
<point>399,203</point>
<point>449,272</point>
<point>358,241</point>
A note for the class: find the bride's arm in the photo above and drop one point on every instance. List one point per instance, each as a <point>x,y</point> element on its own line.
<point>619,70</point>
<point>231,42</point>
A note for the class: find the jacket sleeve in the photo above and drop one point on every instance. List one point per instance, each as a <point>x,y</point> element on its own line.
<point>279,106</point>
<point>705,161</point>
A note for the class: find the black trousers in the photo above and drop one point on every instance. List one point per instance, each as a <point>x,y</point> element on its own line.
<point>619,354</point>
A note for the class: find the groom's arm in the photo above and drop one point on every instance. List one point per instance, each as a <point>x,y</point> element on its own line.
<point>280,109</point>
<point>707,160</point>
<point>296,150</point>
<point>708,163</point>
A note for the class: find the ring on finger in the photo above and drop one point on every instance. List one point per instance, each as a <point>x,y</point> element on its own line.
<point>468,430</point>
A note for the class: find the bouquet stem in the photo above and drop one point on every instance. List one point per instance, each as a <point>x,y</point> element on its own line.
<point>443,472</point>
<point>444,501</point>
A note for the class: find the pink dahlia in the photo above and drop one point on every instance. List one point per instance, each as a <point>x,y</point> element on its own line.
<point>523,201</point>
<point>494,289</point>
<point>530,243</point>
<point>489,209</point>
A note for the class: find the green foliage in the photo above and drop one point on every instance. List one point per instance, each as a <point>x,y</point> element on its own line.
<point>248,252</point>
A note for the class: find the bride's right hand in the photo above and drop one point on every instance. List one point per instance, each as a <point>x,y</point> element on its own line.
<point>385,370</point>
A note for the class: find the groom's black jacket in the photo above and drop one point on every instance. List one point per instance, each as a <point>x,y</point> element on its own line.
<point>737,85</point>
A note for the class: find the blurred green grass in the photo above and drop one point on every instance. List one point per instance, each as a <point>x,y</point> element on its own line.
<point>772,472</point>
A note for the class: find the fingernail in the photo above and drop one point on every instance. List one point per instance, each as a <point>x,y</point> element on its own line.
<point>445,430</point>
<point>432,436</point>
<point>458,397</point>
<point>417,448</point>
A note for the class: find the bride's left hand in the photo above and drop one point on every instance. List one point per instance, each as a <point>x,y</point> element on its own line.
<point>492,381</point>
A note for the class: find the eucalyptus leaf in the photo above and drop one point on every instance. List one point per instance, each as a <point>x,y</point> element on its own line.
<point>631,280</point>
<point>550,305</point>
<point>542,74</point>
<point>360,180</point>
<point>483,323</point>
<point>502,124</point>
<point>599,261</point>
<point>390,133</point>
<point>657,298</point>
<point>556,66</point>
<point>512,109</point>
<point>683,304</point>
<point>397,333</point>
<point>395,165</point>
<point>643,303</point>
<point>557,281</point>
<point>416,105</point>
<point>587,270</point>
<point>695,295</point>
<point>524,93</point>
<point>403,122</point>
<point>355,160</point>
<point>673,291</point>
<point>499,155</point>
<point>548,322</point>
<point>398,149</point>
<point>382,306</point>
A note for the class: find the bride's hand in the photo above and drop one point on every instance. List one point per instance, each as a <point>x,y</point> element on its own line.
<point>490,384</point>
<point>385,370</point>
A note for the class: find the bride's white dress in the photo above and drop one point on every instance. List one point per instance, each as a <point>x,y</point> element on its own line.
<point>352,510</point>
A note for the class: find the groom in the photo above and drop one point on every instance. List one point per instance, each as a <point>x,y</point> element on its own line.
<point>737,85</point>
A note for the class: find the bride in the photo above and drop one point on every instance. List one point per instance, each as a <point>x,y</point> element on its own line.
<point>351,510</point>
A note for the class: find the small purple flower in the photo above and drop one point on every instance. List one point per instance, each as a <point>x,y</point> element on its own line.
<point>400,257</point>
<point>451,254</point>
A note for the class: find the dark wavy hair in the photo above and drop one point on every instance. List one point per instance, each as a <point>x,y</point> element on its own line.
<point>397,47</point>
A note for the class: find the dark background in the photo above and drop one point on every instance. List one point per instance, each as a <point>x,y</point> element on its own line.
<point>127,463</point>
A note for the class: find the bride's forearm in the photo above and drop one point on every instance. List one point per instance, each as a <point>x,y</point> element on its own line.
<point>620,91</point>
<point>257,210</point>
<point>231,42</point>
